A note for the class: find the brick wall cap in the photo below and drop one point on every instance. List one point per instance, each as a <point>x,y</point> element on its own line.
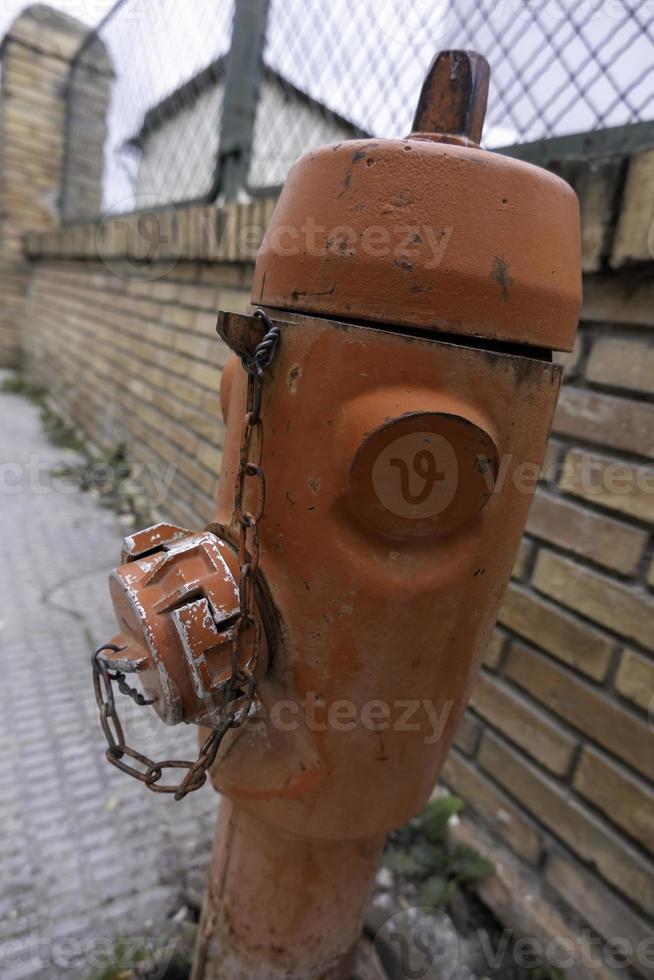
<point>35,22</point>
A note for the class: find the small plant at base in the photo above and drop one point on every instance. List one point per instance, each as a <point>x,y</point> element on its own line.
<point>18,384</point>
<point>546,972</point>
<point>152,959</point>
<point>59,432</point>
<point>107,474</point>
<point>419,852</point>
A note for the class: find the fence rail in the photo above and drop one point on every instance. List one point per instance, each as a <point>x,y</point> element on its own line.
<point>180,100</point>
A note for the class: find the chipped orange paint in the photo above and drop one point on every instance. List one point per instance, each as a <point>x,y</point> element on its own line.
<point>286,893</point>
<point>176,599</point>
<point>425,234</point>
<point>368,612</point>
<point>429,232</point>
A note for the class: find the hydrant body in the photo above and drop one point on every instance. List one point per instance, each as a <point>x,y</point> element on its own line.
<point>417,288</point>
<point>384,618</point>
<point>386,595</point>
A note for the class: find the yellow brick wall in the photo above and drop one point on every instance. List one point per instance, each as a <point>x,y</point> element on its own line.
<point>556,756</point>
<point>139,363</point>
<point>34,62</point>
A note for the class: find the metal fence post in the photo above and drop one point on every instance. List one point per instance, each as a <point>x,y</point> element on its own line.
<point>243,79</point>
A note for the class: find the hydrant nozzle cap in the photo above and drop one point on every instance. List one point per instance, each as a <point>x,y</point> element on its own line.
<point>453,100</point>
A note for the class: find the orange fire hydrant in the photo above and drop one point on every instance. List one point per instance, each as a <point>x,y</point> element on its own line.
<point>382,447</point>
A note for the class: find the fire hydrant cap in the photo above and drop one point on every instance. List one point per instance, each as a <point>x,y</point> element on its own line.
<point>426,233</point>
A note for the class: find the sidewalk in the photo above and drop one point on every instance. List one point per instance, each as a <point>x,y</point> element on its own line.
<point>86,853</point>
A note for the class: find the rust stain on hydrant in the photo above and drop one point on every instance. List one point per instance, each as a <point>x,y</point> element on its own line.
<point>500,275</point>
<point>369,510</point>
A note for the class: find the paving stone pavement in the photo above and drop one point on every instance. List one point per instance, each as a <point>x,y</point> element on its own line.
<point>86,854</point>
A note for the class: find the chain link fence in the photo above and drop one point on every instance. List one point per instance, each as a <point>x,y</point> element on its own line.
<point>191,100</point>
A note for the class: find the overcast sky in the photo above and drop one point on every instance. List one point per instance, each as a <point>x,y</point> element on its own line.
<point>366,57</point>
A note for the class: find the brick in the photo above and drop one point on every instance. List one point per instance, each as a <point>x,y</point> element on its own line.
<point>160,290</point>
<point>614,422</point>
<point>202,297</point>
<point>601,908</point>
<point>617,862</point>
<point>625,610</point>
<point>204,322</point>
<point>177,315</point>
<point>596,184</point>
<point>599,538</point>
<point>552,462</point>
<point>185,272</point>
<point>467,734</point>
<point>635,680</point>
<point>229,276</point>
<point>623,363</point>
<point>523,558</point>
<point>210,446</point>
<point>625,299</point>
<point>558,632</point>
<point>197,475</point>
<point>495,649</point>
<point>633,236</point>
<point>494,806</point>
<point>203,374</point>
<point>582,706</point>
<point>49,32</point>
<point>523,723</point>
<point>234,300</point>
<point>570,360</point>
<point>622,798</point>
<point>611,483</point>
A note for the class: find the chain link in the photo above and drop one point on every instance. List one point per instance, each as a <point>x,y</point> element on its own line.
<point>240,690</point>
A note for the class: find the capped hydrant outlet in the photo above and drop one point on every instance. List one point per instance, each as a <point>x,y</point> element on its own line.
<point>177,601</point>
<point>387,412</point>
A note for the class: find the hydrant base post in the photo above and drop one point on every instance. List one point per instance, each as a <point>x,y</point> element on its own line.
<point>283,907</point>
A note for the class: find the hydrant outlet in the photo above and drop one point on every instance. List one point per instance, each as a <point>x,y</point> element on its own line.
<point>176,599</point>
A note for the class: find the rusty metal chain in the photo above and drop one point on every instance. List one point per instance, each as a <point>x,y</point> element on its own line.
<point>240,689</point>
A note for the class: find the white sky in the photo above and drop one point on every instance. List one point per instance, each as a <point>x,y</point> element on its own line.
<point>342,50</point>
